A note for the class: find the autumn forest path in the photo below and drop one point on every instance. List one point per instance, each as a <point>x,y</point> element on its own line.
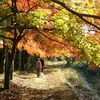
<point>50,86</point>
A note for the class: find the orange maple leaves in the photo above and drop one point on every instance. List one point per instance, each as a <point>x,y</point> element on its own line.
<point>26,5</point>
<point>37,43</point>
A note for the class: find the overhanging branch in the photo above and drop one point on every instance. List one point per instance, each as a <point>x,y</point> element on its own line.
<point>56,41</point>
<point>90,23</point>
<point>80,15</point>
<point>74,12</point>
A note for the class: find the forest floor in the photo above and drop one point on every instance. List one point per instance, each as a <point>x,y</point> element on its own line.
<point>50,86</point>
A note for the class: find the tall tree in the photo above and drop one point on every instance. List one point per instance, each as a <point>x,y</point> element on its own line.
<point>15,30</point>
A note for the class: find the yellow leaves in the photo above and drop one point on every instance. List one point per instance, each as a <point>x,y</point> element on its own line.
<point>90,1</point>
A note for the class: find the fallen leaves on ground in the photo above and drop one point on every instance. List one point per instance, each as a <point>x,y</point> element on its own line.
<point>50,86</point>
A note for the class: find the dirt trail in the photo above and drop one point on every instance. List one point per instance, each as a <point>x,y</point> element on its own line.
<point>50,86</point>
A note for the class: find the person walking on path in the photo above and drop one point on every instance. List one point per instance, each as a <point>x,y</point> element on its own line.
<point>38,67</point>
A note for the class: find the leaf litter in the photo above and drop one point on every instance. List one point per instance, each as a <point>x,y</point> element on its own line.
<point>50,86</point>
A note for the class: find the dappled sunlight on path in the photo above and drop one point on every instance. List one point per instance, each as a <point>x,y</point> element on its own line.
<point>57,83</point>
<point>50,86</point>
<point>46,81</point>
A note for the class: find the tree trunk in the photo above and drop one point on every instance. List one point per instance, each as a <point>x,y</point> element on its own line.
<point>21,64</point>
<point>7,71</point>
<point>21,61</point>
<point>9,67</point>
<point>12,68</point>
<point>1,60</point>
<point>16,61</point>
<point>3,56</point>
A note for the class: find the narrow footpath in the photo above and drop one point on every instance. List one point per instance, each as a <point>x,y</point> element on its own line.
<point>50,86</point>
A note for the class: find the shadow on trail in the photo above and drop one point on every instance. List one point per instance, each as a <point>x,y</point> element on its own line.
<point>25,93</point>
<point>21,92</point>
<point>52,94</point>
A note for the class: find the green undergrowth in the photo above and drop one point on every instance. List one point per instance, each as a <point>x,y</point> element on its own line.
<point>91,76</point>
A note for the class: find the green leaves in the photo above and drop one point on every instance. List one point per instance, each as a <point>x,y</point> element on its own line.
<point>3,2</point>
<point>46,1</point>
<point>22,19</point>
<point>34,18</point>
<point>38,18</point>
<point>60,21</point>
<point>90,1</point>
<point>70,29</point>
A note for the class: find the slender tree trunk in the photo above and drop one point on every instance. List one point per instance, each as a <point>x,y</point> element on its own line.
<point>12,69</point>
<point>16,61</point>
<point>23,62</point>
<point>28,63</point>
<point>1,60</point>
<point>2,63</point>
<point>20,60</point>
<point>6,71</point>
